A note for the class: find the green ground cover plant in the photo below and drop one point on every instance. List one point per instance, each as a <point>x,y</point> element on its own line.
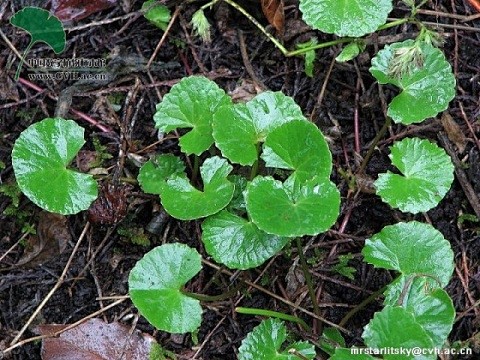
<point>261,180</point>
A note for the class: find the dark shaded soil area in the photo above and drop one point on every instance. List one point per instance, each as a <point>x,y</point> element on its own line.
<point>332,99</point>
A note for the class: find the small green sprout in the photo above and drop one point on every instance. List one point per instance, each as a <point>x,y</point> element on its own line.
<point>201,25</point>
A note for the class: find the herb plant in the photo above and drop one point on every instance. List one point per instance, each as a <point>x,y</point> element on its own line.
<point>307,202</point>
<point>261,177</point>
<point>265,342</point>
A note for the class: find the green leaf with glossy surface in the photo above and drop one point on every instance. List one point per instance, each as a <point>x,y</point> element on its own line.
<point>411,248</point>
<point>155,172</point>
<point>310,209</point>
<point>158,15</point>
<point>264,342</point>
<point>155,284</point>
<point>427,174</point>
<point>432,307</point>
<point>301,147</point>
<point>40,158</point>
<point>345,17</point>
<point>395,327</point>
<point>191,104</point>
<point>239,128</point>
<point>183,201</point>
<point>237,204</point>
<point>238,243</point>
<point>42,27</point>
<point>426,89</point>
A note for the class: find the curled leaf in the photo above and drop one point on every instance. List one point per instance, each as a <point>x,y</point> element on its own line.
<point>274,12</point>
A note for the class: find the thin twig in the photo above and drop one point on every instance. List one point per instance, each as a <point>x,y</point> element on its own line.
<point>321,94</point>
<point>104,22</point>
<point>285,301</point>
<point>308,276</point>
<point>59,282</point>
<point>76,112</point>
<point>164,36</point>
<point>469,125</point>
<point>71,326</point>
<point>247,63</point>
<point>461,176</point>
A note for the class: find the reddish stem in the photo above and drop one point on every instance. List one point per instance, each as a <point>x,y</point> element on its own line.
<point>76,112</point>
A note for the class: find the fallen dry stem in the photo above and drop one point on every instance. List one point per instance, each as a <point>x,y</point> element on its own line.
<point>71,326</point>
<point>59,283</point>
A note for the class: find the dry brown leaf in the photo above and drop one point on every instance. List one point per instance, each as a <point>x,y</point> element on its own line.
<point>454,132</point>
<point>274,12</point>
<point>245,91</point>
<point>95,340</point>
<point>51,240</point>
<point>68,10</point>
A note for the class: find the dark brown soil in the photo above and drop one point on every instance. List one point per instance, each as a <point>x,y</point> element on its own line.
<point>105,257</point>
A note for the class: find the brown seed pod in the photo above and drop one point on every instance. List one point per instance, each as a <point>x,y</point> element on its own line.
<point>111,205</point>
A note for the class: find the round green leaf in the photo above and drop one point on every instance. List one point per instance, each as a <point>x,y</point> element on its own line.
<point>345,17</point>
<point>310,209</point>
<point>395,327</point>
<point>264,342</point>
<point>155,172</point>
<point>183,201</point>
<point>411,248</point>
<point>238,243</point>
<point>427,176</point>
<point>155,284</point>
<point>40,156</point>
<point>426,89</point>
<point>42,27</point>
<point>432,308</point>
<point>191,104</point>
<point>239,128</point>
<point>298,146</point>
